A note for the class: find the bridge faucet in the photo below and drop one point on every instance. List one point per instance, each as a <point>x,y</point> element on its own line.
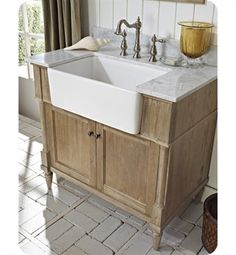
<point>137,25</point>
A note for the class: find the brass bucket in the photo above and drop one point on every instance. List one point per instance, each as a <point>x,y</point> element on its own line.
<point>195,38</point>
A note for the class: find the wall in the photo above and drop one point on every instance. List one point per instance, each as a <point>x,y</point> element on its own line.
<point>27,104</point>
<point>157,16</point>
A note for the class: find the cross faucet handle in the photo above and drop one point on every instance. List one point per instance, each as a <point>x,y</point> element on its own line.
<point>155,39</point>
<point>153,50</point>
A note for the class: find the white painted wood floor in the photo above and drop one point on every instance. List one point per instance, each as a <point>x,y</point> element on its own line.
<point>72,221</point>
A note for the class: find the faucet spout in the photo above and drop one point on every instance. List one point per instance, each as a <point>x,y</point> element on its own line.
<point>118,28</point>
<point>124,21</point>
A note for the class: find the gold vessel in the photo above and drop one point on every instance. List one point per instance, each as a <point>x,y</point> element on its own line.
<point>195,38</point>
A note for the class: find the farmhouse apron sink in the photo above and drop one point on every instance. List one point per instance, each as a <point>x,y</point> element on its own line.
<point>102,89</point>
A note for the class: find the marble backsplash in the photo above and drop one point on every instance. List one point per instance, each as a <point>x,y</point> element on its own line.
<point>169,49</point>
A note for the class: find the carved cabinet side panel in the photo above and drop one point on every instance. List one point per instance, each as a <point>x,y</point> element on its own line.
<point>161,188</point>
<point>129,169</point>
<point>37,82</point>
<point>45,153</point>
<point>192,109</point>
<point>165,121</point>
<point>188,165</point>
<point>156,119</point>
<point>41,84</point>
<point>42,90</point>
<point>45,85</point>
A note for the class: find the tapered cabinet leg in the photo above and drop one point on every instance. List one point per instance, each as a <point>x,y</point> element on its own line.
<point>48,176</point>
<point>156,240</point>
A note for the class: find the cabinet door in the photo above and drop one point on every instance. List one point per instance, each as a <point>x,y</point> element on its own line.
<point>127,168</point>
<point>72,150</point>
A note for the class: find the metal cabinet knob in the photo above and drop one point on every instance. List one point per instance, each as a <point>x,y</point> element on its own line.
<point>90,133</point>
<point>97,136</point>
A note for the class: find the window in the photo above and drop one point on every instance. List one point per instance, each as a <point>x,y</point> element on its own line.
<point>30,34</point>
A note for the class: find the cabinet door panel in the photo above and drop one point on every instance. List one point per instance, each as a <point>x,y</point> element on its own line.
<point>127,168</point>
<point>72,150</point>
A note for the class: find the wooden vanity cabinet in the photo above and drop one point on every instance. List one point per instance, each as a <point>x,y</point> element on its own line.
<point>153,175</point>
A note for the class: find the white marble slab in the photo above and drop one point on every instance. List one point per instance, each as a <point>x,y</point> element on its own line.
<point>57,57</point>
<point>172,86</point>
<point>178,83</point>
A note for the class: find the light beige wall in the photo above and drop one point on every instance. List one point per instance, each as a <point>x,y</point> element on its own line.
<point>27,104</point>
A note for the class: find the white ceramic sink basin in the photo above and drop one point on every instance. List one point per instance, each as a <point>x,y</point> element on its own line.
<point>101,89</point>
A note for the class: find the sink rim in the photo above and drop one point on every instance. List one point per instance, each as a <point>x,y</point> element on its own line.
<point>116,59</point>
<point>100,83</point>
<point>152,65</point>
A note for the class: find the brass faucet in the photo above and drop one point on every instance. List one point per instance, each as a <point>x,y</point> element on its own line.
<point>137,25</point>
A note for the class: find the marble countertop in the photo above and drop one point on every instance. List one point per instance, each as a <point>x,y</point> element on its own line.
<point>173,86</point>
